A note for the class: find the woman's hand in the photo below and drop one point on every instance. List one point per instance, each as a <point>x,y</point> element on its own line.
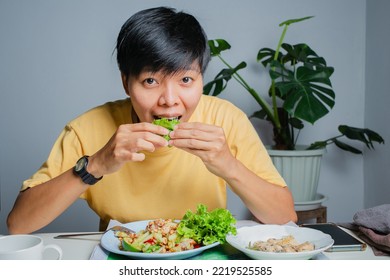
<point>125,145</point>
<point>267,202</point>
<point>208,142</point>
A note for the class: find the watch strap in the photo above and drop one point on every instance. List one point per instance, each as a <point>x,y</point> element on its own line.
<point>82,172</point>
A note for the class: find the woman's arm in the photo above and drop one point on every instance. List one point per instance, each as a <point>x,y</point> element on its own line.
<point>267,202</point>
<point>38,206</point>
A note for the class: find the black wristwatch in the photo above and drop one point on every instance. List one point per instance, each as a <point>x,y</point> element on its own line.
<point>80,169</point>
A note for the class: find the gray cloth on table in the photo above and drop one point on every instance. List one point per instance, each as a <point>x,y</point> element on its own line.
<point>376,218</point>
<point>379,241</point>
<point>374,226</point>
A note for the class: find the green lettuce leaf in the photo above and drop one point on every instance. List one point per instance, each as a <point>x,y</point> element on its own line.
<point>169,124</point>
<point>207,227</point>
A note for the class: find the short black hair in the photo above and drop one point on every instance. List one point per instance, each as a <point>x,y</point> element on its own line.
<point>161,39</point>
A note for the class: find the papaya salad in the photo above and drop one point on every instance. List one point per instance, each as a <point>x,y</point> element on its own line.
<point>169,236</point>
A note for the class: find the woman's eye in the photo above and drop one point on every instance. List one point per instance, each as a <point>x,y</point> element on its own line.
<point>186,80</point>
<point>149,81</point>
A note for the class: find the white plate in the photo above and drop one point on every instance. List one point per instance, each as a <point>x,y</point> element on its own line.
<point>111,243</point>
<point>311,204</point>
<point>245,235</point>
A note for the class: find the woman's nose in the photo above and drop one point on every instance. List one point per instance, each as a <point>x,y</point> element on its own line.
<point>169,96</point>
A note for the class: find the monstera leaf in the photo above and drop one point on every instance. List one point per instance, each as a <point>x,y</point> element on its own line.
<point>364,135</point>
<point>216,86</point>
<point>302,81</point>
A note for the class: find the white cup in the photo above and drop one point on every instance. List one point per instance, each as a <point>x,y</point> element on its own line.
<point>25,247</point>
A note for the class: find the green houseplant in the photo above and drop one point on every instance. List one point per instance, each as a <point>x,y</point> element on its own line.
<point>300,91</point>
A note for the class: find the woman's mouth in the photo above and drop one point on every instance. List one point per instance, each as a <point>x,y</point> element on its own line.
<point>168,118</point>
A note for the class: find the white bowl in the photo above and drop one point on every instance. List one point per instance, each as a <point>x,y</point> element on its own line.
<point>252,234</point>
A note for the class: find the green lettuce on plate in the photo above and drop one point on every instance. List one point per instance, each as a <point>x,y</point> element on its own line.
<point>207,227</point>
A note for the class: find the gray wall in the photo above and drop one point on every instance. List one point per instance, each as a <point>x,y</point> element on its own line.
<point>56,62</point>
<point>377,100</point>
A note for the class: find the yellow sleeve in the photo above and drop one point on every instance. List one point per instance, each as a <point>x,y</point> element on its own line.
<point>63,156</point>
<point>248,148</point>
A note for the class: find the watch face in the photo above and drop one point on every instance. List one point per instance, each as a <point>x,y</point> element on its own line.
<point>80,164</point>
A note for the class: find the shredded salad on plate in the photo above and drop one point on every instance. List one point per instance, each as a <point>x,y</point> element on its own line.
<point>169,236</point>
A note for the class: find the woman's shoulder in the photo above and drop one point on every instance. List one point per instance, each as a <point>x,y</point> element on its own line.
<point>116,106</point>
<point>208,100</point>
<point>217,108</point>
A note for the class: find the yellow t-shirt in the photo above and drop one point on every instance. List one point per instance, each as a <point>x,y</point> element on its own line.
<point>169,181</point>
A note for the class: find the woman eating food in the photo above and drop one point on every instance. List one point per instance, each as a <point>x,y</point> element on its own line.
<point>115,156</point>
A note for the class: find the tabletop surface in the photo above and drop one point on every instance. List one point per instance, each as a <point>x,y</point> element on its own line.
<point>82,247</point>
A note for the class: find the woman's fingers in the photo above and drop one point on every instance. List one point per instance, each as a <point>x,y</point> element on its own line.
<point>196,136</point>
<point>127,144</point>
<point>208,142</point>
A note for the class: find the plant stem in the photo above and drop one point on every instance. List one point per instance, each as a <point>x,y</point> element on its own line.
<point>255,95</point>
<point>331,140</point>
<point>273,91</point>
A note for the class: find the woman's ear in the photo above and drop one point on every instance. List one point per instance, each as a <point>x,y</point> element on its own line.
<point>125,84</point>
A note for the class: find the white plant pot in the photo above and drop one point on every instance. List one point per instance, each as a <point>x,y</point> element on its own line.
<point>300,169</point>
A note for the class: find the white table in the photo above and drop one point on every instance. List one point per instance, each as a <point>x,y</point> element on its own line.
<point>81,248</point>
<point>75,248</point>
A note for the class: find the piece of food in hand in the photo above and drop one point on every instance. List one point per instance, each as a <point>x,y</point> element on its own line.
<point>167,123</point>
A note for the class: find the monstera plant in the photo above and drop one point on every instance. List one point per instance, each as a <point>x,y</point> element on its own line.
<point>300,91</point>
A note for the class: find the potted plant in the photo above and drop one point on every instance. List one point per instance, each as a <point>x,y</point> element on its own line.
<point>300,91</point>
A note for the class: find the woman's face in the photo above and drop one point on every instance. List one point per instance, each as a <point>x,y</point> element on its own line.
<point>157,95</point>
